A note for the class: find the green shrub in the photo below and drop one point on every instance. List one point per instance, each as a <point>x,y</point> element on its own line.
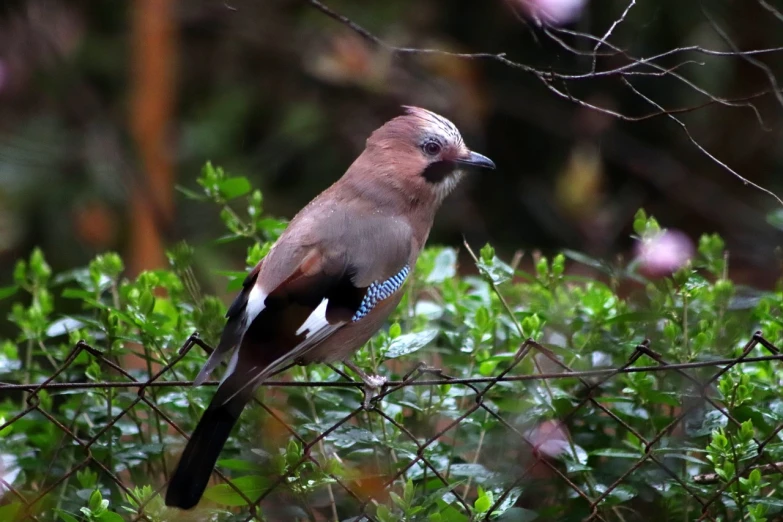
<point>91,445</point>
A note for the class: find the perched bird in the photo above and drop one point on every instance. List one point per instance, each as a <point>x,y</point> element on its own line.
<point>332,278</point>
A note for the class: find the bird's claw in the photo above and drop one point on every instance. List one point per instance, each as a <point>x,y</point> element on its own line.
<point>374,381</point>
<point>371,383</point>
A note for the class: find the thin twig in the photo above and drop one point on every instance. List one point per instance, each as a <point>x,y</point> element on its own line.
<point>765,469</point>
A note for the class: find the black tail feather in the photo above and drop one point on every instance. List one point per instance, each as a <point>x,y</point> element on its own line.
<point>195,466</point>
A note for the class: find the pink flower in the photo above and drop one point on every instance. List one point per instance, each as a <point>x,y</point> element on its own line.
<point>664,253</point>
<point>554,12</point>
<point>548,438</point>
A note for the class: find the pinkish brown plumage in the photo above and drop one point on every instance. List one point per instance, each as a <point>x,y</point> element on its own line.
<point>333,277</point>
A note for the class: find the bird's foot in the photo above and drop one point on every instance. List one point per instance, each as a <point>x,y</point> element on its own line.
<point>374,381</point>
<point>371,383</point>
<point>369,394</point>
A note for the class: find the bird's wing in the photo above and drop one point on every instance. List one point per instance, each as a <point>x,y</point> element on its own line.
<point>234,328</point>
<point>325,272</point>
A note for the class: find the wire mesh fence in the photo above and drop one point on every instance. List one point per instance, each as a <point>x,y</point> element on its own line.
<point>528,459</point>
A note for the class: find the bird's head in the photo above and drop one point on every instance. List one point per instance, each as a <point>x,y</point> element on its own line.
<point>425,150</point>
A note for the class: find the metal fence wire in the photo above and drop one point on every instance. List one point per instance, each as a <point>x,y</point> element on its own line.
<point>528,459</point>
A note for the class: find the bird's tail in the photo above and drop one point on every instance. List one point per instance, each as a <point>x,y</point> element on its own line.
<point>201,453</point>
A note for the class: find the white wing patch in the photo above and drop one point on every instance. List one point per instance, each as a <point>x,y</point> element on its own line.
<point>316,321</point>
<point>255,304</point>
<point>317,328</point>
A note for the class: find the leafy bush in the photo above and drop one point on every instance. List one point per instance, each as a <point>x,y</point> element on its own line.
<point>96,404</point>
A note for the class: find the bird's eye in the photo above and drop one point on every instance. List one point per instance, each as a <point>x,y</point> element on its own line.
<point>432,148</point>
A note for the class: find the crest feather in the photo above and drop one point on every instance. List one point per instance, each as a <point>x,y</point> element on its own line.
<point>434,122</point>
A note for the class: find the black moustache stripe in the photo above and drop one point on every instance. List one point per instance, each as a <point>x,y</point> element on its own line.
<point>438,171</point>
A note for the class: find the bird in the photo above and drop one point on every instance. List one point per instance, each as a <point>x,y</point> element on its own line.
<point>332,278</point>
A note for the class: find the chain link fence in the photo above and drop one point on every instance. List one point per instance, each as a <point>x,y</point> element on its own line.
<point>510,456</point>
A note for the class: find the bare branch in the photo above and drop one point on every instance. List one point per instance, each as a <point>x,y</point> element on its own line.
<point>751,60</point>
<point>777,14</point>
<point>367,35</point>
<point>645,66</point>
<point>702,149</point>
<point>609,32</point>
<point>636,61</point>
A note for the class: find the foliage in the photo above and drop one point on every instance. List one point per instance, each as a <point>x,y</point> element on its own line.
<point>604,437</point>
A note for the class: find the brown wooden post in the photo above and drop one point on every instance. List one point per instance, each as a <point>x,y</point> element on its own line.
<point>153,63</point>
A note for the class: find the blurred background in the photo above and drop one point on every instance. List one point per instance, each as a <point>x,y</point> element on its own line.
<point>595,109</point>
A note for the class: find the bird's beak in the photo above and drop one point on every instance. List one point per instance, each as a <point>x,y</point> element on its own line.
<point>476,159</point>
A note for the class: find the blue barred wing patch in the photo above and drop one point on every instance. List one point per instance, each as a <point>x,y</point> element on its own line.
<point>378,291</point>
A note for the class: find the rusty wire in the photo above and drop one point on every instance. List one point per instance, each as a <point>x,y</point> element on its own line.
<point>421,375</point>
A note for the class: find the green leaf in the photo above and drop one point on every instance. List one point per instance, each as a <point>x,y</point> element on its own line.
<point>484,501</point>
<point>482,318</point>
<point>685,457</point>
<point>76,293</point>
<point>487,368</point>
<point>110,516</point>
<point>231,188</point>
<point>712,420</point>
<point>558,265</point>
<point>497,271</point>
<point>8,291</point>
<point>516,514</point>
<point>659,397</point>
<point>445,266</point>
<point>508,502</point>
<point>477,472</point>
<point>39,267</point>
<point>63,326</point>
<point>408,491</point>
<point>615,453</point>
<point>238,465</point>
<point>67,517</point>
<point>87,478</point>
<point>636,318</point>
<point>398,501</point>
<point>20,272</point>
<point>252,486</point>
<point>487,253</point>
<point>190,194</point>
<point>620,494</point>
<point>293,452</point>
<point>775,218</point>
<point>395,330</point>
<point>746,430</point>
<point>96,501</point>
<point>542,267</point>
<point>449,513</point>
<point>10,511</point>
<point>229,238</point>
<point>346,436</point>
<point>146,302</point>
<point>384,514</point>
<point>640,222</point>
<point>409,343</point>
<point>586,260</point>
